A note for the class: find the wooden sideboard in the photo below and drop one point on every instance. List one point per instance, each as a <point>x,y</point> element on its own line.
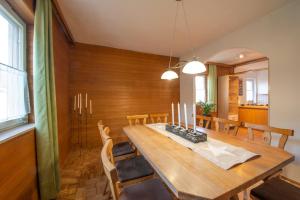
<point>254,114</point>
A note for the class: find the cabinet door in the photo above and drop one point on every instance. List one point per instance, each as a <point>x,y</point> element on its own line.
<point>233,95</point>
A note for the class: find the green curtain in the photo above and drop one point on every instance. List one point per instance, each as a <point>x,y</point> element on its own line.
<point>212,85</point>
<point>45,102</point>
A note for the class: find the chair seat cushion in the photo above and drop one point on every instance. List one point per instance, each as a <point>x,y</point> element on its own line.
<point>152,189</point>
<point>276,189</point>
<point>133,168</point>
<point>122,148</point>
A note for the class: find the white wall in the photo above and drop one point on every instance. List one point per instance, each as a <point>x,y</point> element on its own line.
<point>277,35</point>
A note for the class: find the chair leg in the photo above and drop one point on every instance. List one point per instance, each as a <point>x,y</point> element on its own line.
<point>105,187</point>
<point>235,197</point>
<point>245,195</point>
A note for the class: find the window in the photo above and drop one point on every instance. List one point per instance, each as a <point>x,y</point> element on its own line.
<point>250,91</point>
<point>200,85</point>
<point>14,102</point>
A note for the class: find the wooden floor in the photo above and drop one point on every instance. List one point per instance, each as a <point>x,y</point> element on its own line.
<point>81,176</point>
<point>82,179</point>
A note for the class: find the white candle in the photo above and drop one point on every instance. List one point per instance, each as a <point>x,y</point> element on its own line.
<point>179,115</point>
<point>86,100</point>
<point>74,102</point>
<point>91,108</point>
<point>78,101</point>
<point>80,105</point>
<point>172,113</point>
<point>194,113</point>
<point>185,116</point>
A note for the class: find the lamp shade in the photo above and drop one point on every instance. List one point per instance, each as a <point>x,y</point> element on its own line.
<point>169,75</point>
<point>194,67</point>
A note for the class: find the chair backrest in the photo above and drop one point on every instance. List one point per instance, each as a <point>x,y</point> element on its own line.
<point>104,132</point>
<point>285,133</point>
<point>159,118</point>
<point>203,120</point>
<point>224,125</point>
<point>109,167</point>
<point>137,119</point>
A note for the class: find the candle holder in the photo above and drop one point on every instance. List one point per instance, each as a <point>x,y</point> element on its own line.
<point>188,134</point>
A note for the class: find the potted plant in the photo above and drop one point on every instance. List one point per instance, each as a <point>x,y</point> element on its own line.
<point>206,108</point>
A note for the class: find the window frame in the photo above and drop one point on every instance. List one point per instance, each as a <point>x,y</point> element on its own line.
<point>205,86</point>
<point>11,15</point>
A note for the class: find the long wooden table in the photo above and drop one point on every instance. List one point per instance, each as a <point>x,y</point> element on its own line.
<point>190,176</point>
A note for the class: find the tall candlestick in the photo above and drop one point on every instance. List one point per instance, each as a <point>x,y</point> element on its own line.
<point>179,123</point>
<point>185,116</point>
<point>172,113</point>
<point>194,115</point>
<point>91,107</point>
<point>74,102</point>
<point>80,105</point>
<point>86,100</point>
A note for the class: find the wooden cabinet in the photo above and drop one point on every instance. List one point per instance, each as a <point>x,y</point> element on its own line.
<point>233,95</point>
<point>254,114</point>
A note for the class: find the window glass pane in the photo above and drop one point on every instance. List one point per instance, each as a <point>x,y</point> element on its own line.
<point>250,90</point>
<point>11,48</point>
<point>200,88</point>
<point>14,98</point>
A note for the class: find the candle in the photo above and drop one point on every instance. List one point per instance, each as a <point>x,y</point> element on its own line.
<point>74,102</point>
<point>179,115</point>
<point>194,113</point>
<point>91,108</point>
<point>172,114</point>
<point>185,117</point>
<point>86,100</point>
<point>80,105</point>
<point>78,101</point>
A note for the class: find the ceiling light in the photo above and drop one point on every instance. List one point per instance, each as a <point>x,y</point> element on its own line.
<point>241,56</point>
<point>194,67</point>
<point>189,67</point>
<point>169,75</point>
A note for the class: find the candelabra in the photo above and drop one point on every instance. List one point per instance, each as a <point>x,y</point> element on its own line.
<point>79,121</point>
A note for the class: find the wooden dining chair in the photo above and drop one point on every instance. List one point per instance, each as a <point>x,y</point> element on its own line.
<point>267,136</point>
<point>121,150</point>
<point>137,119</point>
<point>276,189</point>
<point>203,121</point>
<point>159,118</point>
<point>127,174</point>
<point>224,125</point>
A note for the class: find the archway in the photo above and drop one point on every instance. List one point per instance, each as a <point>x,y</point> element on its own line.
<point>242,85</point>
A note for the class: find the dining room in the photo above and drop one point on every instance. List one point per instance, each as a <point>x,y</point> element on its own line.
<point>149,100</point>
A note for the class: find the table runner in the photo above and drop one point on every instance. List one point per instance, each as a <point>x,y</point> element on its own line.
<point>221,154</point>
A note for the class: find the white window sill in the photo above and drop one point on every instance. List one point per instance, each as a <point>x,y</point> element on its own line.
<point>15,132</point>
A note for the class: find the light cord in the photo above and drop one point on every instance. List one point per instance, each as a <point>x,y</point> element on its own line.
<point>188,29</point>
<point>173,35</point>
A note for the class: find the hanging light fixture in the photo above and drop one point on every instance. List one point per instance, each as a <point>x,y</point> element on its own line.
<point>193,66</point>
<point>169,75</point>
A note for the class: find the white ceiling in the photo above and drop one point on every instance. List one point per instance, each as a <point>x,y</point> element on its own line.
<point>231,56</point>
<point>146,25</point>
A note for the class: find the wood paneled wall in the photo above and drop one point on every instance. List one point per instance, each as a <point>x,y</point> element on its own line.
<point>120,83</point>
<point>18,168</point>
<point>222,70</point>
<point>61,63</point>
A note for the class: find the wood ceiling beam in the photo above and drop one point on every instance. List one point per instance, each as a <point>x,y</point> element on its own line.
<point>59,15</point>
<point>251,61</point>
